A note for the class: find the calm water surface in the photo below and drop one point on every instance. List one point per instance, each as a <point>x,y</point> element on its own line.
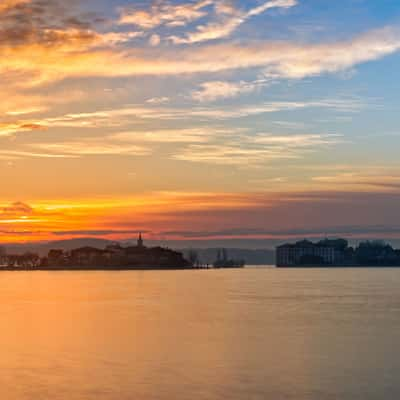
<point>257,333</point>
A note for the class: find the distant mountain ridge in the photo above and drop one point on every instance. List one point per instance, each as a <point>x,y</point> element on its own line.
<point>69,244</point>
<point>250,256</point>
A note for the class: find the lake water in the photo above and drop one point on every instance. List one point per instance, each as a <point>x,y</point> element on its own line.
<point>256,333</point>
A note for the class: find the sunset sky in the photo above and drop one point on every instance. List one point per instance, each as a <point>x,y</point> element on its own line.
<point>200,120</point>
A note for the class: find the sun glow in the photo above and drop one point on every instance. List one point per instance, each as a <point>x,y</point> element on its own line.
<point>116,219</point>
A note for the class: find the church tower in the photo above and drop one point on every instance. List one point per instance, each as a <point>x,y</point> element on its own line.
<point>140,240</point>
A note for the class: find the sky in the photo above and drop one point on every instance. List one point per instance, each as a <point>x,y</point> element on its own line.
<point>199,120</point>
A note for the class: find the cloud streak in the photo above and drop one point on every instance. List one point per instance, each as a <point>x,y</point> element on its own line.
<point>165,14</point>
<point>215,90</point>
<point>7,5</point>
<point>230,19</point>
<point>126,115</point>
<point>72,59</point>
<point>248,150</point>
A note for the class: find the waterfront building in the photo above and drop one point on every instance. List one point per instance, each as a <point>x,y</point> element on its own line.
<point>306,253</point>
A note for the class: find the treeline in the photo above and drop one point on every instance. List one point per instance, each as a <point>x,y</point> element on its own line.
<point>26,260</point>
<point>376,253</point>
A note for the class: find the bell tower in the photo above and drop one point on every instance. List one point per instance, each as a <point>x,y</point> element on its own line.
<point>140,240</point>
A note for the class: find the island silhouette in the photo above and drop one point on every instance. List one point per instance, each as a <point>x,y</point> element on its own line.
<point>337,253</point>
<point>113,257</point>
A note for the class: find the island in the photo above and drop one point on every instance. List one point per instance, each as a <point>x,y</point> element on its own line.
<point>337,253</point>
<point>113,257</point>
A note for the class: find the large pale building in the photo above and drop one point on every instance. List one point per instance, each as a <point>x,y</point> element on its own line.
<point>305,252</point>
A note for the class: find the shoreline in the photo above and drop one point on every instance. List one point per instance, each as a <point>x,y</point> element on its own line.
<point>122,269</point>
<point>334,266</point>
<point>116,269</point>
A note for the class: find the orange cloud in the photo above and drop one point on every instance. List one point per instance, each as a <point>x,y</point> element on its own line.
<point>44,42</point>
<point>168,215</point>
<point>71,54</point>
<point>165,14</point>
<point>7,129</point>
<point>17,208</point>
<point>46,220</point>
<point>7,5</point>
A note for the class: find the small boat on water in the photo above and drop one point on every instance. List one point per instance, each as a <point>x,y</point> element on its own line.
<point>223,261</point>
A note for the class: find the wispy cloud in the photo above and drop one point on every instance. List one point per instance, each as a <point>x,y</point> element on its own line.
<point>11,155</point>
<point>7,5</point>
<point>213,145</point>
<point>115,38</point>
<point>154,40</point>
<point>20,111</point>
<point>215,90</point>
<point>122,118</point>
<point>371,180</point>
<point>229,19</point>
<point>347,105</point>
<point>129,143</point>
<point>90,147</point>
<point>164,14</point>
<point>248,150</point>
<point>46,42</point>
<point>17,208</point>
<point>158,100</point>
<point>8,129</point>
<point>193,135</point>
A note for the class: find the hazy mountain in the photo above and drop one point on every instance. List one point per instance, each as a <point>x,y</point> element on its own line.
<point>43,248</point>
<point>250,256</point>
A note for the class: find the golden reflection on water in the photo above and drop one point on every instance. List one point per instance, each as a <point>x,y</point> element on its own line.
<point>240,334</point>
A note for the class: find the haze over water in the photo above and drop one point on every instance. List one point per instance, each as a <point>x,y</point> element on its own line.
<point>234,334</point>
